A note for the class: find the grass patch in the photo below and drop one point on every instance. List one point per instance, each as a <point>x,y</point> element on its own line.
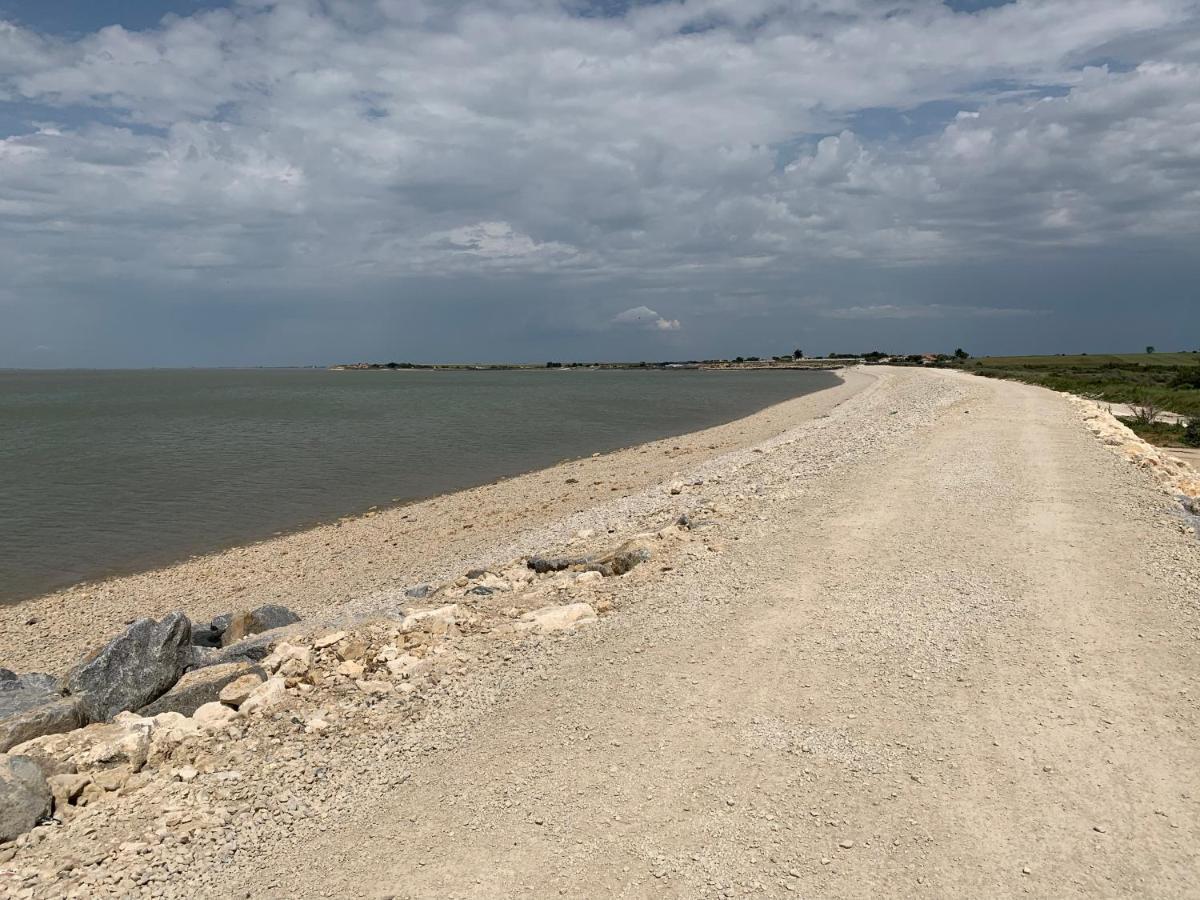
<point>1160,434</point>
<point>1170,380</point>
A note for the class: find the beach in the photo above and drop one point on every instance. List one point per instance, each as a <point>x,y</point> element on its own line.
<point>374,557</point>
<point>921,635</point>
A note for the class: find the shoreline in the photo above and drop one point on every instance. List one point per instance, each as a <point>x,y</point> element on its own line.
<point>332,567</point>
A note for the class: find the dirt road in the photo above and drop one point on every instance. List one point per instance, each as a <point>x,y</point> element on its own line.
<point>954,658</point>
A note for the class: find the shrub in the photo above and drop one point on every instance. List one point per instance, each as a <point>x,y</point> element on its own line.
<point>1191,434</point>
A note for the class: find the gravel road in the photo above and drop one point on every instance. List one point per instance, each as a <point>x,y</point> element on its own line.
<point>940,643</point>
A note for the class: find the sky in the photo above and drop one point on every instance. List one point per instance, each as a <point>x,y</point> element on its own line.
<point>294,182</point>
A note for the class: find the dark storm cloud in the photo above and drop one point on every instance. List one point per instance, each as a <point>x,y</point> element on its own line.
<point>265,181</point>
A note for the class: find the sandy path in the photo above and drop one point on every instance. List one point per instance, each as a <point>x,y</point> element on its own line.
<point>939,643</point>
<point>968,672</point>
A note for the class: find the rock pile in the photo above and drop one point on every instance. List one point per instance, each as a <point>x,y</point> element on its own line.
<point>55,748</point>
<point>151,703</point>
<point>1175,475</point>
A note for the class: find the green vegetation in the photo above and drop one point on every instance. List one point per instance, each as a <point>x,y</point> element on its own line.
<point>1161,434</point>
<point>1170,381</point>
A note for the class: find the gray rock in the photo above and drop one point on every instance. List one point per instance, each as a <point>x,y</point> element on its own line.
<point>254,621</point>
<point>221,622</point>
<point>544,564</point>
<point>419,592</point>
<point>19,693</point>
<point>136,667</point>
<point>200,686</point>
<point>24,796</point>
<point>54,717</point>
<point>252,649</point>
<point>206,635</point>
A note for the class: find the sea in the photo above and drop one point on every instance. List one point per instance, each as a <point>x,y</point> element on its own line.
<point>110,472</point>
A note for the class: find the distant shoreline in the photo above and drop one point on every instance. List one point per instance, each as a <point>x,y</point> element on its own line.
<point>802,365</point>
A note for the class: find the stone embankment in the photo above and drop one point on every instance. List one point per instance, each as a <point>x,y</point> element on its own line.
<point>1175,475</point>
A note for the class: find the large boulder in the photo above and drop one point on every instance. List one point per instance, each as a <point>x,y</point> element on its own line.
<point>200,686</point>
<point>136,667</point>
<point>24,796</point>
<point>19,693</point>
<point>256,621</point>
<point>54,717</point>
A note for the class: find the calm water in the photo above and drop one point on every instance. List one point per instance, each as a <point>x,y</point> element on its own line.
<point>108,472</point>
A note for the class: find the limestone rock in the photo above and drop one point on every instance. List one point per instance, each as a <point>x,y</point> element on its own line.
<point>408,666</point>
<point>434,621</point>
<point>270,693</point>
<point>236,692</point>
<point>351,669</point>
<point>284,652</point>
<point>214,716</point>
<point>255,621</point>
<point>328,640</point>
<point>134,668</point>
<point>121,743</point>
<point>352,650</point>
<point>24,796</point>
<point>374,687</point>
<point>560,618</point>
<point>202,686</point>
<point>65,789</point>
<point>49,718</point>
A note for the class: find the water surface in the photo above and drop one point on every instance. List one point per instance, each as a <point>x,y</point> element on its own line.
<point>110,472</point>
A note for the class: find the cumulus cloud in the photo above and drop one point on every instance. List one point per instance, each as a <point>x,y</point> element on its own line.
<point>645,317</point>
<point>687,146</point>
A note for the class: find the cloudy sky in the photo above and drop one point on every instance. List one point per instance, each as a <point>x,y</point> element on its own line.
<point>308,181</point>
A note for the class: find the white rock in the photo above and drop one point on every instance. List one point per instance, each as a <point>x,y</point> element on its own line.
<point>237,691</point>
<point>285,651</point>
<point>351,669</point>
<point>374,687</point>
<point>214,716</point>
<point>435,621</point>
<point>676,487</point>
<point>270,693</point>
<point>293,668</point>
<point>589,577</point>
<point>403,665</point>
<point>492,582</point>
<point>560,618</point>
<point>328,640</point>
